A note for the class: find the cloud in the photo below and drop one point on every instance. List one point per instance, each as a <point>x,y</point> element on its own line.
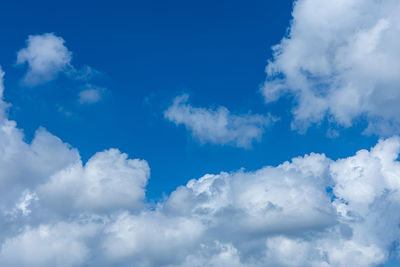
<point>340,61</point>
<point>46,56</point>
<point>310,211</point>
<point>218,126</point>
<point>109,181</point>
<point>56,210</point>
<point>90,95</point>
<point>47,245</point>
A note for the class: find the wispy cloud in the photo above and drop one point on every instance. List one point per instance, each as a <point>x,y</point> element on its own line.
<point>218,126</point>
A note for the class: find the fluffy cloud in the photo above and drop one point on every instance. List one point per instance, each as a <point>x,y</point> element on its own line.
<point>341,61</point>
<point>45,180</point>
<point>310,211</point>
<point>109,181</point>
<point>217,126</point>
<point>286,215</point>
<point>56,210</point>
<point>151,239</point>
<point>47,245</point>
<point>46,56</point>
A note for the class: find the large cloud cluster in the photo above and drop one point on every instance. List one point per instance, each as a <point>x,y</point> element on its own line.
<point>340,61</point>
<point>311,211</point>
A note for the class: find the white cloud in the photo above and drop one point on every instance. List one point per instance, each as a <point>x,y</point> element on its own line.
<point>46,56</point>
<point>95,214</point>
<point>341,61</point>
<point>47,245</point>
<point>108,182</point>
<point>151,239</point>
<point>284,216</point>
<point>90,95</point>
<point>218,126</point>
<point>310,211</point>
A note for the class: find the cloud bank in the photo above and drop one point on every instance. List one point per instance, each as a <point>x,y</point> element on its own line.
<point>56,210</point>
<point>218,126</point>
<point>340,61</point>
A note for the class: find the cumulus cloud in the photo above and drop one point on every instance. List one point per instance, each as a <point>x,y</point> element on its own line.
<point>47,245</point>
<point>46,56</point>
<point>340,61</point>
<point>56,210</point>
<point>218,126</point>
<point>109,181</point>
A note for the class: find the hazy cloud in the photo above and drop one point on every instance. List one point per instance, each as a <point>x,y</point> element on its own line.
<point>90,95</point>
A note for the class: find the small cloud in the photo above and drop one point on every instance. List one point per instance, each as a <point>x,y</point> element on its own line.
<point>91,95</point>
<point>46,56</point>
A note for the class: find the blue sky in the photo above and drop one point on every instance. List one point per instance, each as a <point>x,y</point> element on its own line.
<point>148,52</point>
<point>187,133</point>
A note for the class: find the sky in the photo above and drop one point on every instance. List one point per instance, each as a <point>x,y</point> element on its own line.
<point>212,133</point>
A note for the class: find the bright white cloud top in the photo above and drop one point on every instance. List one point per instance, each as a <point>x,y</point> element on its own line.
<point>218,126</point>
<point>311,211</point>
<point>341,61</point>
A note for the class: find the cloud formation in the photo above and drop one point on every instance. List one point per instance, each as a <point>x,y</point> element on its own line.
<point>340,61</point>
<point>218,126</point>
<point>46,56</point>
<point>56,210</point>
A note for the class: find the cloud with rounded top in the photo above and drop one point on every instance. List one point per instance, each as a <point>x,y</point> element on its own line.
<point>46,56</point>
